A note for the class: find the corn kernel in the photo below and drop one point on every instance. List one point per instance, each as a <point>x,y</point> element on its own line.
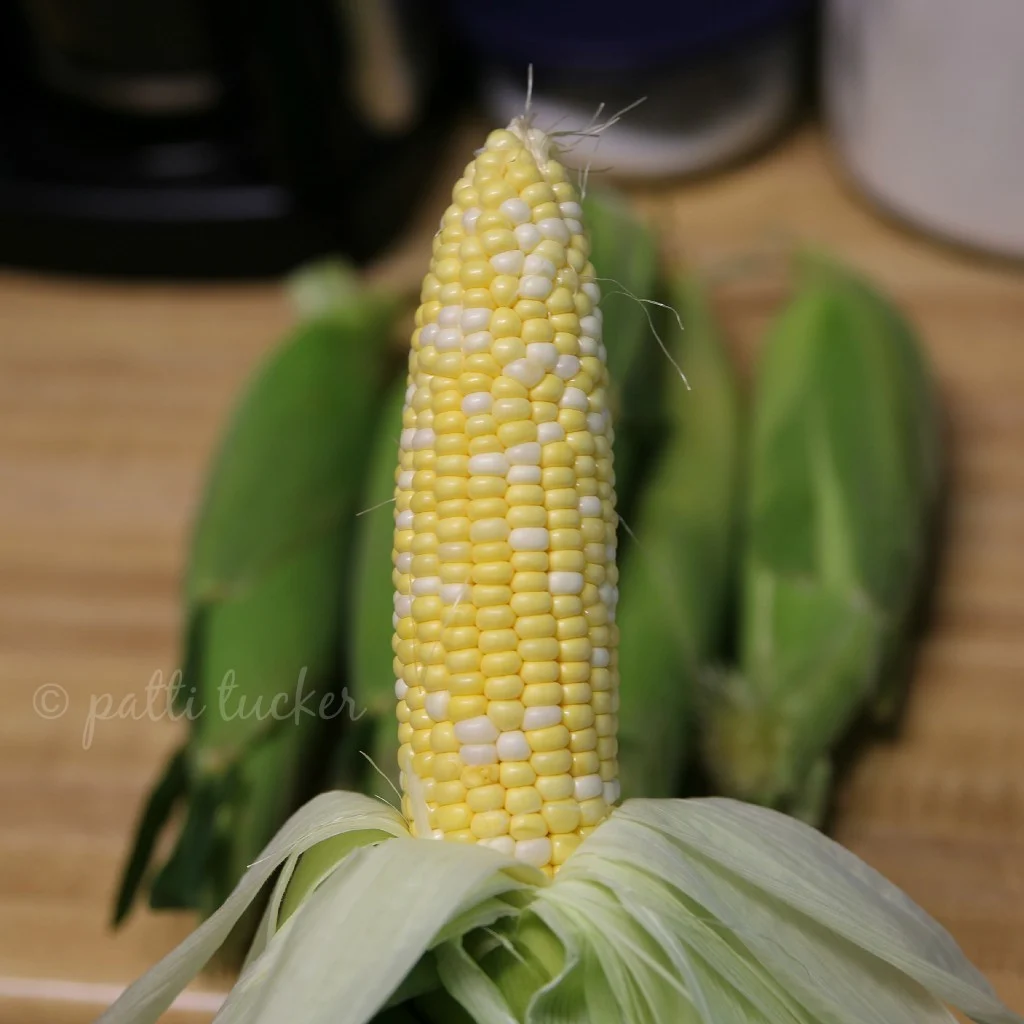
<point>523,799</point>
<point>484,798</point>
<point>555,787</point>
<point>527,826</point>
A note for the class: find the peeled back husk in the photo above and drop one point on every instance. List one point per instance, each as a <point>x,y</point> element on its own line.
<point>842,497</point>
<point>702,911</point>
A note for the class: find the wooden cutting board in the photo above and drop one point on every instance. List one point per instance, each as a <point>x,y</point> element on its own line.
<point>111,399</point>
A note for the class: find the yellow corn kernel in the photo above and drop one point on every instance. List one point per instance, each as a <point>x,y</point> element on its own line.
<point>485,798</point>
<point>527,826</point>
<point>523,800</point>
<point>555,787</point>
<point>491,823</point>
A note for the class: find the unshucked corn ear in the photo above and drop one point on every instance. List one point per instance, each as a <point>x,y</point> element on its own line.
<point>624,251</point>
<point>262,602</point>
<point>370,610</point>
<point>843,489</point>
<point>678,571</point>
<point>709,912</point>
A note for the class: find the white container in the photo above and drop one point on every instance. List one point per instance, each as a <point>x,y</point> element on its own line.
<point>925,103</point>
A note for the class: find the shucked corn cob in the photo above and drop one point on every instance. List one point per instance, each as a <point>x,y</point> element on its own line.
<point>504,553</point>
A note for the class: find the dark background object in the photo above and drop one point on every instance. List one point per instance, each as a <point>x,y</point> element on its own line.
<point>718,80</point>
<point>216,139</point>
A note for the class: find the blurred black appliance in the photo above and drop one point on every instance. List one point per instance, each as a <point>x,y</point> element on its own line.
<point>213,138</point>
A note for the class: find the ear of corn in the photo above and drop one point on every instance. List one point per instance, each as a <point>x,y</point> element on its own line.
<point>263,596</point>
<point>504,552</point>
<point>678,570</point>
<point>843,482</point>
<point>691,911</point>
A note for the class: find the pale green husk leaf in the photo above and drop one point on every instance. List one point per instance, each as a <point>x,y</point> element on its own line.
<point>327,815</point>
<point>690,911</point>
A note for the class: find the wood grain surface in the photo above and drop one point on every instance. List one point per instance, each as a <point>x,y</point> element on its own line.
<point>111,399</point>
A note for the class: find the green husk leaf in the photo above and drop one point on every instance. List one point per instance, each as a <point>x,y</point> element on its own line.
<point>325,816</point>
<point>842,498</point>
<point>675,578</point>
<point>161,803</point>
<point>372,605</point>
<point>850,945</point>
<point>469,985</point>
<point>294,429</point>
<point>263,597</point>
<point>624,253</point>
<point>390,919</point>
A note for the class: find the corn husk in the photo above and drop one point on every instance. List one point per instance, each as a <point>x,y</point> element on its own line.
<point>704,911</point>
<point>625,251</point>
<point>263,596</point>
<point>368,627</point>
<point>842,495</point>
<point>676,577</point>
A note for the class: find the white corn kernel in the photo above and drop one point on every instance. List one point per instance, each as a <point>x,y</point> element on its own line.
<point>535,287</point>
<point>475,730</point>
<point>534,851</point>
<point>536,264</point>
<point>543,352</point>
<point>475,320</point>
<point>567,367</point>
<point>574,398</point>
<point>478,341</point>
<point>477,402</point>
<point>488,464</point>
<point>426,585</point>
<point>516,210</point>
<point>528,237</point>
<point>565,582</point>
<point>529,538</point>
<point>542,716</point>
<point>525,454</point>
<point>503,844</point>
<point>449,340</point>
<point>555,229</point>
<point>510,262</point>
<point>512,746</point>
<point>524,474</point>
<point>436,704</point>
<point>479,753</point>
<point>586,787</point>
<point>526,371</point>
<point>453,593</point>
